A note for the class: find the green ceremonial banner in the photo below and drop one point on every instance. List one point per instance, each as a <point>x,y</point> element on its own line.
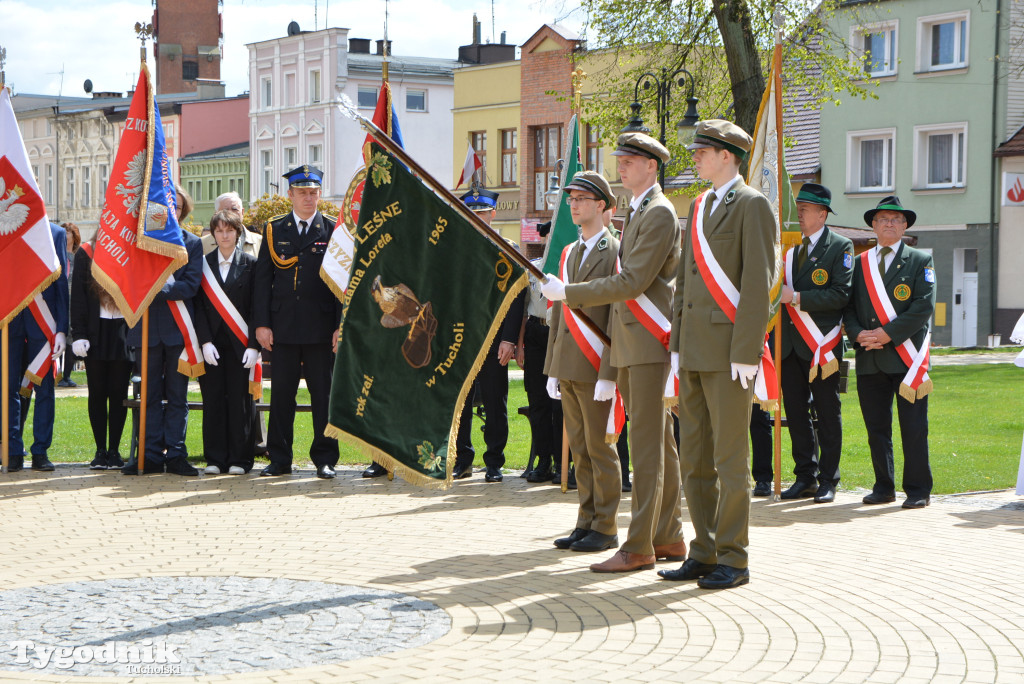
<point>426,295</point>
<point>563,230</point>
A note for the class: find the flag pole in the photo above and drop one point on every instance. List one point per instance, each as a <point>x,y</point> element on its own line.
<point>143,31</point>
<point>777,432</point>
<point>5,452</point>
<point>458,205</point>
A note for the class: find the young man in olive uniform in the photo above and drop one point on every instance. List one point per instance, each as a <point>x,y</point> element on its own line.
<point>574,378</point>
<point>640,293</point>
<point>887,322</point>
<point>818,277</point>
<point>718,327</point>
<point>296,318</point>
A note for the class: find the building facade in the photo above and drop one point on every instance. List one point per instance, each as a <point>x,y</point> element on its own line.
<point>207,175</point>
<point>186,46</point>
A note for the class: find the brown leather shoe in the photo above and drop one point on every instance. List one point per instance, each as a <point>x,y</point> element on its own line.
<point>624,561</point>
<point>671,552</point>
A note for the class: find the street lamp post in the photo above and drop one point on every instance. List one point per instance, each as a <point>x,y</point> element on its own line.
<point>663,90</point>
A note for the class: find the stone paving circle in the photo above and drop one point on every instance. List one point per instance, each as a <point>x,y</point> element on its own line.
<point>206,625</point>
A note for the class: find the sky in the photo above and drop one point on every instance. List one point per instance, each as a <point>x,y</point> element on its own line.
<point>95,39</point>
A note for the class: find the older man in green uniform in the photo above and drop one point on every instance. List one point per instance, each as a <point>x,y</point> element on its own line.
<point>641,297</point>
<point>719,319</point>
<point>579,367</point>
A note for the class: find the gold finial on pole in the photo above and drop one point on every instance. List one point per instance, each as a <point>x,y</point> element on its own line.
<point>143,31</point>
<point>578,77</point>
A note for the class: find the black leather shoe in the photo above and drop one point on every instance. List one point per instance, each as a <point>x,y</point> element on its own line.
<point>15,464</point>
<point>99,462</point>
<point>801,489</point>
<point>132,468</point>
<point>627,486</point>
<point>690,570</point>
<point>595,541</point>
<point>541,473</point>
<point>917,501</point>
<point>326,472</point>
<point>114,460</point>
<point>275,469</point>
<point>762,488</point>
<point>461,472</point>
<point>180,466</point>
<point>42,464</point>
<point>724,577</point>
<point>375,470</point>
<point>574,536</point>
<point>571,481</point>
<point>825,494</point>
<point>873,499</point>
<point>493,474</point>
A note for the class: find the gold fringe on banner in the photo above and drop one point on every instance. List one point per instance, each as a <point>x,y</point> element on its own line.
<point>49,280</point>
<point>826,370</point>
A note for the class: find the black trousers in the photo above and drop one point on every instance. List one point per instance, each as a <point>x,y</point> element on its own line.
<point>492,383</point>
<point>545,412</point>
<point>761,468</point>
<point>815,453</point>
<point>228,410</point>
<point>290,362</point>
<point>165,423</point>
<point>876,392</point>
<point>108,387</point>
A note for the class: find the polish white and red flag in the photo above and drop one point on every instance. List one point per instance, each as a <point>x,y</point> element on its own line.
<point>469,167</point>
<point>28,259</point>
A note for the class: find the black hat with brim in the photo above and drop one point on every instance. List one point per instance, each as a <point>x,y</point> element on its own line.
<point>890,203</point>
<point>812,193</point>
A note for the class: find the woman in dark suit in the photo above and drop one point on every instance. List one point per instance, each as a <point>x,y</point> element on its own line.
<point>100,333</point>
<point>228,407</point>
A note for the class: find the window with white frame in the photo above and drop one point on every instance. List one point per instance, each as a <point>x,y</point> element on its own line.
<point>49,183</point>
<point>267,161</point>
<point>367,97</point>
<point>876,43</point>
<point>289,91</point>
<point>103,183</point>
<point>939,155</point>
<point>69,187</point>
<point>86,186</point>
<point>415,100</point>
<point>266,93</point>
<point>316,154</point>
<point>291,158</point>
<point>942,41</point>
<point>314,86</point>
<point>870,161</point>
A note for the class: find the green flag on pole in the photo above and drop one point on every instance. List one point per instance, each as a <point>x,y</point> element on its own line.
<point>426,296</point>
<point>563,230</point>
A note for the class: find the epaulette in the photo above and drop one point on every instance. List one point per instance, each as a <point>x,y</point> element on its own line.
<point>332,219</point>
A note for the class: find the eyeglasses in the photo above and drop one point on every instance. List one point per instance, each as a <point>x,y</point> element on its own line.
<point>891,221</point>
<point>577,200</point>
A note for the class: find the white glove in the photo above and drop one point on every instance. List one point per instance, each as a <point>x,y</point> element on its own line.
<point>210,354</point>
<point>604,390</point>
<point>60,343</point>
<point>743,372</point>
<point>553,289</point>
<point>80,348</point>
<point>170,280</point>
<point>673,362</point>
<point>552,387</point>
<point>250,357</point>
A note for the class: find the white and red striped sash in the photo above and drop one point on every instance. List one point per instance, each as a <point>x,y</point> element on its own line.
<point>821,345</point>
<point>916,382</point>
<point>235,323</point>
<point>593,349</point>
<point>727,297</point>
<point>42,363</point>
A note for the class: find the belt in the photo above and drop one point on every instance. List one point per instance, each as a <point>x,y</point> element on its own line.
<point>537,319</point>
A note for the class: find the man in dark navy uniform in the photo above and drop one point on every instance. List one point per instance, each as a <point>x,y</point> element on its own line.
<point>296,317</point>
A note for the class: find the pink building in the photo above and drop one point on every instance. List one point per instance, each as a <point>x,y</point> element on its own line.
<point>210,124</point>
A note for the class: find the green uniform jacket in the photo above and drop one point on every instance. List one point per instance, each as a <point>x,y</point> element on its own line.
<point>741,235</point>
<point>565,359</point>
<point>824,287</point>
<point>649,253</point>
<point>911,269</point>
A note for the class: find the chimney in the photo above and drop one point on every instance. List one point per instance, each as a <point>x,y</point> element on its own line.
<point>359,46</point>
<point>502,37</point>
<point>476,30</point>
<point>380,48</point>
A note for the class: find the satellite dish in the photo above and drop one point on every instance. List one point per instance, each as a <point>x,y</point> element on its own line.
<point>87,85</point>
<point>293,29</point>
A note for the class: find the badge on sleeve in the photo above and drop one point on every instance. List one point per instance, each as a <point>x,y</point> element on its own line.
<point>902,292</point>
<point>929,275</point>
<point>819,276</point>
<point>848,260</point>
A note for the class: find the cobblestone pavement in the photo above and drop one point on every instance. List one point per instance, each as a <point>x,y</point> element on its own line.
<point>839,593</point>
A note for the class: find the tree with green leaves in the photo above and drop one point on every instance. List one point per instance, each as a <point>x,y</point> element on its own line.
<point>726,45</point>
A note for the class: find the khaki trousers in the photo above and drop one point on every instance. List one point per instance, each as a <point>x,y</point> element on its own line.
<point>598,476</point>
<point>714,449</point>
<point>656,506</point>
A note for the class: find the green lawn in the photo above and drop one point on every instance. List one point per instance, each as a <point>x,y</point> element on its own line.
<point>974,414</point>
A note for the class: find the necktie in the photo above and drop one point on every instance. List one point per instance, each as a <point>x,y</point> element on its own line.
<point>579,259</point>
<point>882,253</point>
<point>709,202</point>
<point>225,266</point>
<point>801,256</point>
<point>302,227</point>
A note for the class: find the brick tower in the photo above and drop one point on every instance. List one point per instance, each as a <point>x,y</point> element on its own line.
<point>186,44</point>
